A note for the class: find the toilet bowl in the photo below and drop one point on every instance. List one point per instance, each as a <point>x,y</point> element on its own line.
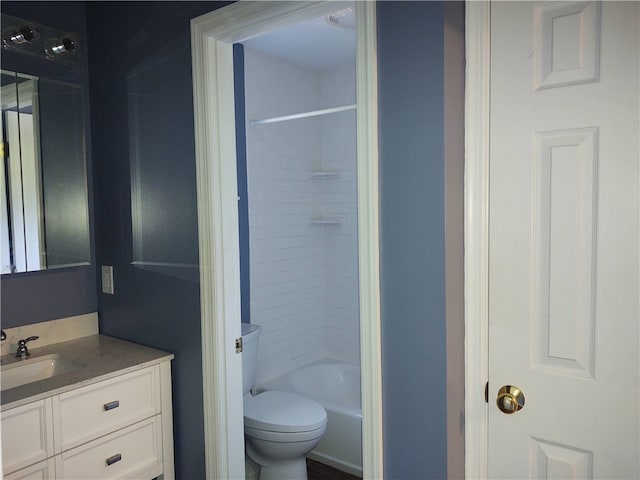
<point>280,428</point>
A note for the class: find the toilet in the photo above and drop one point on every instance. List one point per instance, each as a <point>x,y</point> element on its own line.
<point>280,428</point>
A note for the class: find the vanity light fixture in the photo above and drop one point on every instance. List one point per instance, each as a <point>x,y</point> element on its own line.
<point>32,38</point>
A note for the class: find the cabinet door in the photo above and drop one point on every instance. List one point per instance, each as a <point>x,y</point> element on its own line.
<point>95,410</point>
<point>40,471</point>
<point>27,435</point>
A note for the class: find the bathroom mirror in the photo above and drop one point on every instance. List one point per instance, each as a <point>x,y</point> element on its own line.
<point>44,205</point>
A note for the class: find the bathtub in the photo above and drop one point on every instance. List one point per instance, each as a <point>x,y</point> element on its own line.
<point>336,386</point>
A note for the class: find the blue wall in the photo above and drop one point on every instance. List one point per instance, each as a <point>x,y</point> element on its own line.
<point>40,296</point>
<point>142,116</point>
<point>412,268</point>
<point>162,310</point>
<point>144,156</point>
<point>243,194</point>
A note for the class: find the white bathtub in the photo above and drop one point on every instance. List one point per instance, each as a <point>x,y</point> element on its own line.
<point>336,386</point>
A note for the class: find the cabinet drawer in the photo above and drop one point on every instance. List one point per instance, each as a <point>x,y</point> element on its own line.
<point>27,435</point>
<point>40,471</point>
<point>133,452</point>
<point>89,412</point>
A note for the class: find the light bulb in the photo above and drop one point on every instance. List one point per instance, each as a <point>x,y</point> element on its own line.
<point>54,47</point>
<point>25,33</point>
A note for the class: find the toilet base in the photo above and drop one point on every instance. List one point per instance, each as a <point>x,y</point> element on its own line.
<point>251,469</point>
<point>288,470</point>
<point>281,460</point>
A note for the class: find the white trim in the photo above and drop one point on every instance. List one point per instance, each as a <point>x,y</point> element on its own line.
<point>368,235</point>
<point>212,37</point>
<point>166,418</point>
<point>216,298</point>
<point>476,235</point>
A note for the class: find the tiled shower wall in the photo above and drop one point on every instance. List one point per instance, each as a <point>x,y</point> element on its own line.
<point>340,196</point>
<point>304,289</point>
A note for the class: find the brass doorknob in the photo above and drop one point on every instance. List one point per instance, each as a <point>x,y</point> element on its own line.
<point>510,399</point>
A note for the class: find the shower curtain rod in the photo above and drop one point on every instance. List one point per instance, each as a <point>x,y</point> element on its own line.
<point>295,116</point>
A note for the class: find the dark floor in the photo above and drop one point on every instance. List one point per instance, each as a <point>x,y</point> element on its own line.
<point>320,471</point>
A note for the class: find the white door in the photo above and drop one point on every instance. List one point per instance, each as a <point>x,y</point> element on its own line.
<point>25,192</point>
<point>563,240</point>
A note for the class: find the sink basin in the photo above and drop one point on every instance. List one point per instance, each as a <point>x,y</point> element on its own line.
<point>34,369</point>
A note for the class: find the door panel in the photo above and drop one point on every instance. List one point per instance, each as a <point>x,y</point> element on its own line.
<point>564,244</point>
<point>563,250</point>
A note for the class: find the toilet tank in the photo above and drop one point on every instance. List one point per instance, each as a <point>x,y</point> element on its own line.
<point>250,334</point>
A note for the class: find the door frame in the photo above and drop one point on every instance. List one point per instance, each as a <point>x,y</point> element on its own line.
<point>476,236</point>
<point>212,38</point>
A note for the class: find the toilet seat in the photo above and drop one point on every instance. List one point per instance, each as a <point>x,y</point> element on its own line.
<point>285,412</point>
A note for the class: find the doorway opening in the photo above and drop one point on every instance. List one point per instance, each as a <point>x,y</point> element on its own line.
<point>213,36</point>
<point>301,239</point>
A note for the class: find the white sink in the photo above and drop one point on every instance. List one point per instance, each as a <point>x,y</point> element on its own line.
<point>34,369</point>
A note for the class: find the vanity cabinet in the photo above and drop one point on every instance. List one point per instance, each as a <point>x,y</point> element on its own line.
<point>27,435</point>
<point>44,470</point>
<point>115,428</point>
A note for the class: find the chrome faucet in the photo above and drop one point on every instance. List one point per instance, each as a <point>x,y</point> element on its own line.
<point>22,351</point>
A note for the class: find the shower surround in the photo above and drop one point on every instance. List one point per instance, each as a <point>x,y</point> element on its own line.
<point>301,174</point>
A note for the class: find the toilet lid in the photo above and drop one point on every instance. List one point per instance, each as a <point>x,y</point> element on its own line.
<point>275,411</point>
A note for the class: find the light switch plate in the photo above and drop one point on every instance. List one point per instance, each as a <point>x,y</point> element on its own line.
<point>107,279</point>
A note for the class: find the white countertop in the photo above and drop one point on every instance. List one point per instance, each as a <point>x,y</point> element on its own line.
<point>100,357</point>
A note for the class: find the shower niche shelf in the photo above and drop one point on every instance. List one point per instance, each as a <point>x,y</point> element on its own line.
<point>326,220</point>
<point>322,174</point>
